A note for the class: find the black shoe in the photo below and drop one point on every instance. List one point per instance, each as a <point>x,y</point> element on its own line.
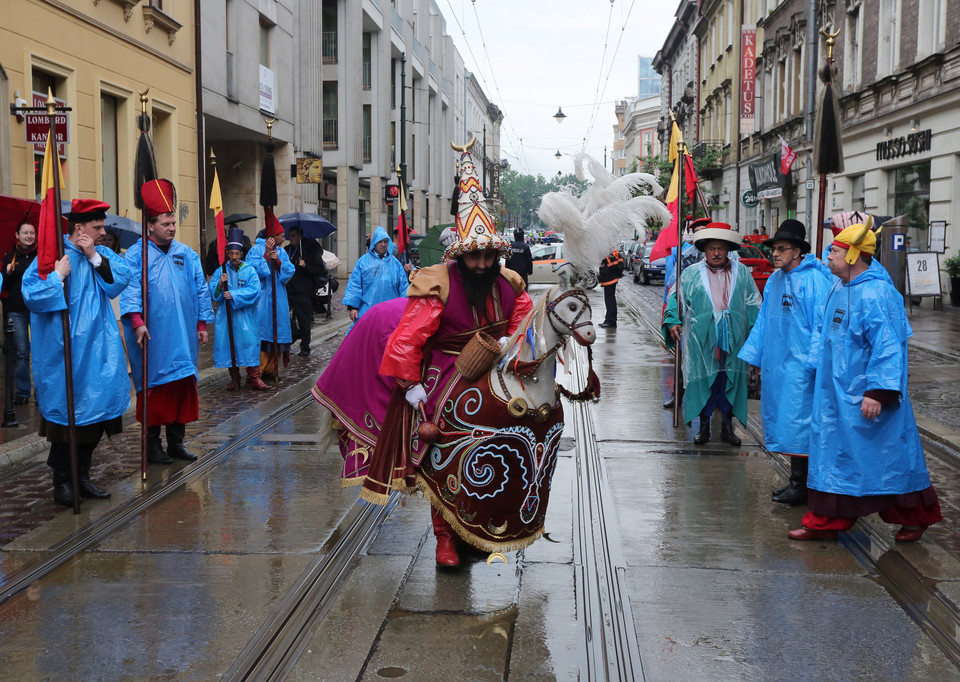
<point>704,435</point>
<point>20,401</point>
<point>608,325</point>
<point>304,353</point>
<point>63,494</point>
<point>793,495</point>
<point>668,405</point>
<point>88,489</point>
<point>175,434</point>
<point>155,453</point>
<point>779,491</point>
<point>727,435</point>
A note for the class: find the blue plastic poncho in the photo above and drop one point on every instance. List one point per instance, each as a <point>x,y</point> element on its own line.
<point>178,300</point>
<point>779,345</point>
<point>100,384</point>
<point>244,287</point>
<point>863,346</point>
<point>710,335</point>
<point>265,305</point>
<point>374,278</point>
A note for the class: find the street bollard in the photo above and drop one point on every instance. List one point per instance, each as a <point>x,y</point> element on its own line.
<point>9,414</point>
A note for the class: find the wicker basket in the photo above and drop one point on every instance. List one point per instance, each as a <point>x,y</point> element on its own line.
<point>477,356</point>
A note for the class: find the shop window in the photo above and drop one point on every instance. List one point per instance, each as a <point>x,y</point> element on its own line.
<point>858,199</point>
<point>910,195</point>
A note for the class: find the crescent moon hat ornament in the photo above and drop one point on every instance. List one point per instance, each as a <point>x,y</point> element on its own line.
<point>497,555</point>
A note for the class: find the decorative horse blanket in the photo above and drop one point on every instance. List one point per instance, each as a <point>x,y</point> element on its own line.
<point>488,474</point>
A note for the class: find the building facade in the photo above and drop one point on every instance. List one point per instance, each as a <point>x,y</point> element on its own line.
<point>96,58</point>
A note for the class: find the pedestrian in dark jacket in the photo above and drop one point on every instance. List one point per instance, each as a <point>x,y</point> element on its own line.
<point>307,258</point>
<point>15,263</point>
<point>519,259</point>
<point>610,270</point>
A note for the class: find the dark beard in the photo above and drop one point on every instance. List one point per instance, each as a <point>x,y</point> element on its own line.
<point>478,287</point>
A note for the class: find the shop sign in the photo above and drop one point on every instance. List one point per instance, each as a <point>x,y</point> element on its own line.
<point>268,81</point>
<point>749,198</point>
<point>38,125</point>
<point>905,145</point>
<point>766,179</point>
<point>748,78</point>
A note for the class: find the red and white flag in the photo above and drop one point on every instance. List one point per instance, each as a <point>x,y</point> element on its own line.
<point>787,156</point>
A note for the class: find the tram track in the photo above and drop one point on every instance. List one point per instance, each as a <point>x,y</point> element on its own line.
<point>933,612</point>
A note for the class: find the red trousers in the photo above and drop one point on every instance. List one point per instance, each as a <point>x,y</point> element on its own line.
<point>920,517</point>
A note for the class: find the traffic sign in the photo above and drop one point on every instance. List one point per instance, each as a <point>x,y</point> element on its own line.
<point>749,198</point>
<point>897,240</point>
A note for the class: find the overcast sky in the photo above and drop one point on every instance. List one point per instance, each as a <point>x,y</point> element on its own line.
<point>545,54</point>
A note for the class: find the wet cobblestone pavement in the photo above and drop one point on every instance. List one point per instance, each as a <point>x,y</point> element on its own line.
<point>25,488</point>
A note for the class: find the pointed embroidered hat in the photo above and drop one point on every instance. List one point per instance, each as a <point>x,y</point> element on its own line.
<point>474,224</point>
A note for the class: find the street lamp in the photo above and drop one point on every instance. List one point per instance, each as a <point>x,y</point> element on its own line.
<point>558,155</point>
<point>559,115</point>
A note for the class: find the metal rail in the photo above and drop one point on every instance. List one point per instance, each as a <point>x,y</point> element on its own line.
<point>610,649</point>
<point>919,597</point>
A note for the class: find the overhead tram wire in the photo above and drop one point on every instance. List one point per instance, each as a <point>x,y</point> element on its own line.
<point>603,59</point>
<point>623,28</point>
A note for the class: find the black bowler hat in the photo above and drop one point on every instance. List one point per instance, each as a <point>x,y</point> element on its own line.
<point>791,231</point>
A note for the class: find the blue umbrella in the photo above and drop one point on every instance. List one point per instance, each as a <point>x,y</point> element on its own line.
<point>312,226</point>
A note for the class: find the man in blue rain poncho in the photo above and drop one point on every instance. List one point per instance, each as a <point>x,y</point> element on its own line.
<point>83,282</point>
<point>779,345</point>
<point>237,285</point>
<point>378,276</point>
<point>720,305</point>
<point>865,452</point>
<point>179,310</point>
<point>273,263</point>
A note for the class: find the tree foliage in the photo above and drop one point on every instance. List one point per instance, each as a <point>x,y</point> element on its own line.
<point>522,193</point>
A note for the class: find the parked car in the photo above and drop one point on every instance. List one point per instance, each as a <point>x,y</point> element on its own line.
<point>631,251</point>
<point>758,264</point>
<point>413,249</point>
<point>643,270</point>
<point>545,258</point>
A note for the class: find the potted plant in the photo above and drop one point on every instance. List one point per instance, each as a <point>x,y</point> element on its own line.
<point>952,266</point>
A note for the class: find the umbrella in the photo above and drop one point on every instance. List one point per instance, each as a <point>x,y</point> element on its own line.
<point>312,226</point>
<point>127,230</point>
<point>13,212</point>
<point>431,250</point>
<point>235,218</point>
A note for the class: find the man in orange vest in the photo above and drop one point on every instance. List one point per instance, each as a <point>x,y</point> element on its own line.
<point>610,270</point>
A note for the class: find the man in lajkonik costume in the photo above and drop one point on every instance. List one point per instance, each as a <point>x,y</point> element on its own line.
<point>865,450</point>
<point>720,304</point>
<point>179,310</point>
<point>83,282</point>
<point>401,353</point>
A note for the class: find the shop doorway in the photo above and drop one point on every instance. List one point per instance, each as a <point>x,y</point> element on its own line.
<point>909,195</point>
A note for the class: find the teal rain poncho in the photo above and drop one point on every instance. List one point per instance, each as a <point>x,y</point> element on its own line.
<point>244,288</point>
<point>178,300</point>
<point>100,383</point>
<point>705,331</point>
<point>779,345</point>
<point>265,304</point>
<point>374,278</point>
<point>863,346</point>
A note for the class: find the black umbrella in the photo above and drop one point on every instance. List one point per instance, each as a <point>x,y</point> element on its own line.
<point>312,226</point>
<point>235,218</point>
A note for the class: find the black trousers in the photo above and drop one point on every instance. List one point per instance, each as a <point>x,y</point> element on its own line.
<point>302,307</point>
<point>610,301</point>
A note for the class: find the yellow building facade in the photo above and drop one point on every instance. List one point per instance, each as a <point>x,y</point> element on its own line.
<point>96,55</point>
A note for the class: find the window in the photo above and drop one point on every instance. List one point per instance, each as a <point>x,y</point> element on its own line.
<point>164,145</point>
<point>330,115</point>
<point>888,33</point>
<point>265,44</point>
<point>108,150</point>
<point>367,68</point>
<point>393,83</point>
<point>228,41</point>
<point>42,82</point>
<point>367,142</point>
<point>853,50</point>
<point>858,199</point>
<point>328,19</point>
<point>910,195</point>
<point>932,27</point>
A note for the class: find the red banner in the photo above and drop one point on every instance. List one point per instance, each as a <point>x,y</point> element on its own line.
<point>748,78</point>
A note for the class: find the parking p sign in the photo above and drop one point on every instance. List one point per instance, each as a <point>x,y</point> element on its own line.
<point>897,241</point>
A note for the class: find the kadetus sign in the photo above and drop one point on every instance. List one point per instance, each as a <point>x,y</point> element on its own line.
<point>766,179</point>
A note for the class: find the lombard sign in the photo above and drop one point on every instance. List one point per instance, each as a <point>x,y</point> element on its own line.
<point>766,180</point>
<point>37,126</point>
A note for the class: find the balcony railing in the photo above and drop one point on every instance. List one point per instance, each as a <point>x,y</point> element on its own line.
<point>329,47</point>
<point>417,49</point>
<point>397,22</point>
<point>231,92</point>
<point>330,133</point>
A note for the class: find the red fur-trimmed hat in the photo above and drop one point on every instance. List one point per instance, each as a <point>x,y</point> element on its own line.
<point>159,197</point>
<point>85,210</point>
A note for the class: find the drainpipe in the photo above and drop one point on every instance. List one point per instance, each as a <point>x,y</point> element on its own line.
<point>813,230</point>
<point>201,145</point>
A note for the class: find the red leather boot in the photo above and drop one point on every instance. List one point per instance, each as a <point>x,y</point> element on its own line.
<point>446,541</point>
<point>253,378</point>
<point>234,379</point>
